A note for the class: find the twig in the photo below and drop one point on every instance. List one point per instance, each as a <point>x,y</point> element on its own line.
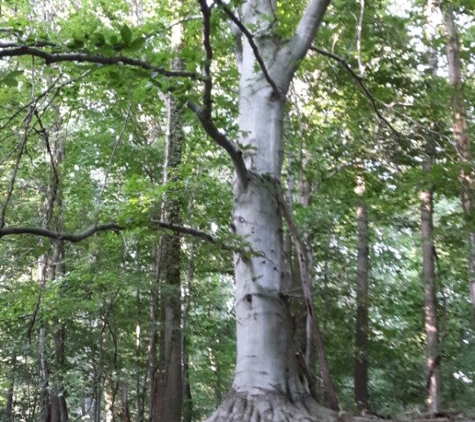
<point>44,134</point>
<point>360,83</point>
<point>11,184</point>
<point>44,94</point>
<point>111,157</point>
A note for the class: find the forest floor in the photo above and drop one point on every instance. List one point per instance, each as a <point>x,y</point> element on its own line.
<point>447,416</point>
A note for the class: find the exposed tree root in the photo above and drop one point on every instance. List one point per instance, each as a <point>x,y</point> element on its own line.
<point>273,407</point>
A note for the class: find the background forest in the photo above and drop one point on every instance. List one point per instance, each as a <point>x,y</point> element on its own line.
<point>116,251</point>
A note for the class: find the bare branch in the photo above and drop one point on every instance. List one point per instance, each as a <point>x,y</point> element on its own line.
<point>184,230</point>
<point>255,50</point>
<point>207,103</point>
<point>11,184</point>
<point>49,58</point>
<point>230,147</point>
<point>59,235</point>
<point>360,83</point>
<point>204,113</point>
<point>97,228</point>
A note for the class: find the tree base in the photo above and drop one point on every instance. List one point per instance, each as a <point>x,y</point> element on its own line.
<point>273,407</point>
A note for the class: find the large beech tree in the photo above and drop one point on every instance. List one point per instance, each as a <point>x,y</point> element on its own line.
<point>266,384</point>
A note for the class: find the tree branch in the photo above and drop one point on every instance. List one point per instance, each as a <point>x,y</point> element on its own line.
<point>230,147</point>
<point>11,184</point>
<point>49,58</point>
<point>59,235</point>
<point>305,32</point>
<point>204,113</point>
<point>184,230</point>
<point>360,83</point>
<point>111,226</point>
<point>255,50</point>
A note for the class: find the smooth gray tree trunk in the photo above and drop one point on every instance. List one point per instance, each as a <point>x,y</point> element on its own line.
<point>266,385</point>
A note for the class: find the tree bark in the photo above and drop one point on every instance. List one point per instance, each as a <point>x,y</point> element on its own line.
<point>460,134</point>
<point>362,304</point>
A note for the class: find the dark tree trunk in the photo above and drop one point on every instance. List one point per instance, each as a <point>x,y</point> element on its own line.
<point>427,242</point>
<point>430,303</point>
<point>187,398</point>
<point>124,403</point>
<point>8,411</point>
<point>362,306</point>
<point>460,134</point>
<point>167,406</point>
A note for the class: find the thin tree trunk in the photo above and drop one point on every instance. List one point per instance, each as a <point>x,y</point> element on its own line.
<point>59,412</point>
<point>362,304</point>
<point>153,331</point>
<point>460,134</point>
<point>8,411</point>
<point>139,398</point>
<point>313,340</point>
<point>169,386</point>
<point>124,403</point>
<point>428,259</point>
<point>187,398</point>
<point>430,303</point>
<point>49,267</point>
<point>45,402</point>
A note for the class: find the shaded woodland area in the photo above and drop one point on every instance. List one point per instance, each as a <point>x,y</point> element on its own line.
<point>251,210</point>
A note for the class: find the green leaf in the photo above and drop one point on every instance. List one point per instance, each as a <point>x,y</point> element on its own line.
<point>98,39</point>
<point>11,78</point>
<point>136,44</point>
<point>126,35</point>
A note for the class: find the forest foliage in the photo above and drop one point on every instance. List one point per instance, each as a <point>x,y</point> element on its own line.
<point>83,121</point>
